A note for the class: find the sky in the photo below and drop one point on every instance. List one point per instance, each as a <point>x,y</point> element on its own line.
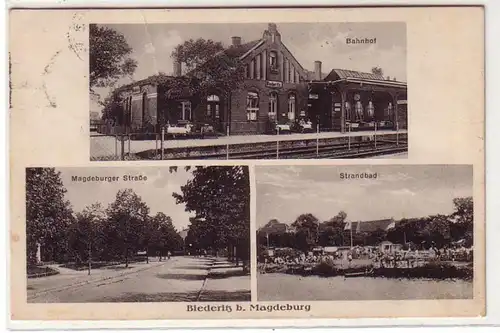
<point>400,191</point>
<point>156,191</point>
<point>153,44</point>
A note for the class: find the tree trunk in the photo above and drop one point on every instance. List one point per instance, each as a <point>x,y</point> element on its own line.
<point>126,258</point>
<point>236,256</point>
<point>90,257</point>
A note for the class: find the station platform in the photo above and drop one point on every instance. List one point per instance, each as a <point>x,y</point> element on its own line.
<point>106,145</point>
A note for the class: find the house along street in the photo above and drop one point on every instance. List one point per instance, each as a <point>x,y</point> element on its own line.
<point>179,279</point>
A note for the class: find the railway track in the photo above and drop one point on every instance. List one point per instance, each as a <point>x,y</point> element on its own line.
<point>322,151</point>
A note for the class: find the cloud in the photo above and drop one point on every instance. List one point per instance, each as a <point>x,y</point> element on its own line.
<point>402,192</point>
<point>149,48</point>
<point>399,191</point>
<point>171,39</point>
<point>396,177</point>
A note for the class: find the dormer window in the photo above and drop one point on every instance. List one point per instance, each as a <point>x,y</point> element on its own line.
<point>273,62</point>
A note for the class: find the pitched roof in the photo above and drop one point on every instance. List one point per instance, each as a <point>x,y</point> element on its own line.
<point>238,51</point>
<point>337,74</point>
<point>153,79</point>
<point>370,226</point>
<point>310,75</point>
<point>274,227</point>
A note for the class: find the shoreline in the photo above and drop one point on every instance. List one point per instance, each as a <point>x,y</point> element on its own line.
<point>435,271</point>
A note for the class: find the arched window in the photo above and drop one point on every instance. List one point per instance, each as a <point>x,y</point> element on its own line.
<point>291,107</point>
<point>358,109</point>
<point>389,111</point>
<point>186,110</point>
<point>273,105</point>
<point>273,61</point>
<point>258,66</point>
<point>213,106</point>
<point>370,110</point>
<point>252,106</point>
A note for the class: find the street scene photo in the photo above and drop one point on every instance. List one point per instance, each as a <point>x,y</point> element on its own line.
<point>248,91</point>
<point>364,232</point>
<point>128,234</point>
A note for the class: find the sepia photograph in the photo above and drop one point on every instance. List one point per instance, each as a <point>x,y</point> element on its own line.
<point>248,91</point>
<point>385,232</point>
<point>154,185</point>
<point>116,234</point>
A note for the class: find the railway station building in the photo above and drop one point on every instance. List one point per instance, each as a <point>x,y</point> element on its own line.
<point>277,90</point>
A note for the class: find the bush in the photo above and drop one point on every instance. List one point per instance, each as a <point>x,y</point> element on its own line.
<point>431,270</point>
<point>325,268</point>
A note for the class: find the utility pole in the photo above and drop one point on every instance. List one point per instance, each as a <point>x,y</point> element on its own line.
<point>122,137</point>
<point>350,229</point>
<point>162,142</point>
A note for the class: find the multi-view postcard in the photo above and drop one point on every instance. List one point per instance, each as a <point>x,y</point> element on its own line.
<point>148,179</point>
<point>248,91</point>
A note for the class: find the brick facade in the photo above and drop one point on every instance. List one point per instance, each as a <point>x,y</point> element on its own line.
<point>271,70</point>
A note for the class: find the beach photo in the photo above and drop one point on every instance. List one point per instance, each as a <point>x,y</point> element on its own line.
<point>248,91</point>
<point>124,234</point>
<point>365,232</point>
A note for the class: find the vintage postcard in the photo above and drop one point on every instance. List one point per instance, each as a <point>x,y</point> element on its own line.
<point>147,179</point>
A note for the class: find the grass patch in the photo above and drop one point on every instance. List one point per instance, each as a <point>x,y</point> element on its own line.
<point>40,271</point>
<point>98,264</point>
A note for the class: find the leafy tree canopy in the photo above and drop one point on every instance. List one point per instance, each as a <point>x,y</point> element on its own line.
<point>378,71</point>
<point>220,198</point>
<point>48,213</point>
<point>213,69</point>
<point>109,56</point>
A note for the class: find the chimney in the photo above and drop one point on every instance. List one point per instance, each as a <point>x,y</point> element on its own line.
<point>272,28</point>
<point>177,68</point>
<point>317,70</point>
<point>236,41</point>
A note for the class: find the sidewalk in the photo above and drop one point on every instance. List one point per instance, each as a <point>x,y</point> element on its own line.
<point>68,278</point>
<point>226,282</point>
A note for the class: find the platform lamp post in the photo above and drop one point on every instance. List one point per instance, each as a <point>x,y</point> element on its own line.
<point>397,134</point>
<point>122,143</point>
<point>129,140</point>
<point>89,249</point>
<point>162,143</point>
<point>227,144</point>
<point>349,136</point>
<point>278,143</point>
<point>116,145</point>
<point>317,140</point>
